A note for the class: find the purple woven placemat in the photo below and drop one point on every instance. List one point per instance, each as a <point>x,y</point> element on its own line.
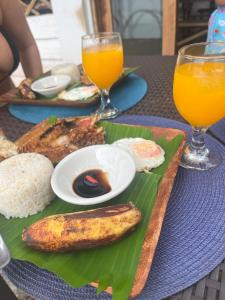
<point>191,244</point>
<point>219,130</point>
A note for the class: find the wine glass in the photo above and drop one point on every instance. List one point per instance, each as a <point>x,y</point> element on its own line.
<point>199,96</point>
<point>102,59</point>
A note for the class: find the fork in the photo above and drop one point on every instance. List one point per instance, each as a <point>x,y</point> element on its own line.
<point>4,254</point>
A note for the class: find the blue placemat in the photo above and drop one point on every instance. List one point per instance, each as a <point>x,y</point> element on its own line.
<point>192,241</point>
<point>219,130</point>
<point>124,95</point>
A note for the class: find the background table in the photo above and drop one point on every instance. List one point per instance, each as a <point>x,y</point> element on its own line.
<point>158,72</point>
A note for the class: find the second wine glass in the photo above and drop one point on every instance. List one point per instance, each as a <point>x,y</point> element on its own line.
<point>102,59</point>
<point>199,96</point>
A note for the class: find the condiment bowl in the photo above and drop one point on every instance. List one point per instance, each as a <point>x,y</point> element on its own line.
<point>51,85</point>
<point>116,163</point>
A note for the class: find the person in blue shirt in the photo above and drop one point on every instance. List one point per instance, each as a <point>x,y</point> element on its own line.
<point>216,28</point>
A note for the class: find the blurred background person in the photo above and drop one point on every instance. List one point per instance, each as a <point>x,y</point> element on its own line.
<point>216,29</point>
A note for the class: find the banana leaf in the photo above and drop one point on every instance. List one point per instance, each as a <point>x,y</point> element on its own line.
<point>113,265</point>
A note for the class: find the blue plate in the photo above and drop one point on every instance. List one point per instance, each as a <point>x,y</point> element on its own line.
<point>124,95</point>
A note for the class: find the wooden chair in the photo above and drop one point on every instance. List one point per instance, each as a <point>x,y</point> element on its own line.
<point>169,26</point>
<point>29,7</point>
<point>33,6</point>
<point>102,16</point>
<point>199,24</point>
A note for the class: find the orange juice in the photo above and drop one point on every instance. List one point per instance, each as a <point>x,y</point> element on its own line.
<point>199,92</point>
<point>103,64</point>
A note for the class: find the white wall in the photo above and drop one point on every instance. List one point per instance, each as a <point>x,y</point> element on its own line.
<point>71,26</point>
<point>45,32</point>
<point>58,35</point>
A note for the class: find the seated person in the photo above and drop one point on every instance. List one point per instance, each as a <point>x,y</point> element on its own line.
<point>16,44</point>
<point>216,29</point>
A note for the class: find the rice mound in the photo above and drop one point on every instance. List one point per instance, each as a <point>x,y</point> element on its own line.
<point>25,187</point>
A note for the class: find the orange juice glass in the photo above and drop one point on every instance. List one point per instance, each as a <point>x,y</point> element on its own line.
<point>102,59</point>
<point>199,92</point>
<point>199,96</point>
<point>103,64</point>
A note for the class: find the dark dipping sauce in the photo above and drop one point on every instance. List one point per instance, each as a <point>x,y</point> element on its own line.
<point>91,183</point>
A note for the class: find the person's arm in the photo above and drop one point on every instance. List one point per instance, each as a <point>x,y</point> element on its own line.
<point>14,21</point>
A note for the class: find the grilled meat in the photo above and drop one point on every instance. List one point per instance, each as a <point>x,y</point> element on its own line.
<point>62,137</point>
<point>25,91</point>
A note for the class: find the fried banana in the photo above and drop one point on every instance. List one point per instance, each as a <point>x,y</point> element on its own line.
<point>82,230</point>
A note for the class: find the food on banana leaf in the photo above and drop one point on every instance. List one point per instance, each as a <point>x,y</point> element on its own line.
<point>59,137</point>
<point>25,91</point>
<point>80,93</point>
<point>82,230</point>
<point>67,69</point>
<point>7,148</point>
<point>146,153</point>
<point>25,187</point>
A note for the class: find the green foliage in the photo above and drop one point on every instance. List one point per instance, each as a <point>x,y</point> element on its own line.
<point>51,120</point>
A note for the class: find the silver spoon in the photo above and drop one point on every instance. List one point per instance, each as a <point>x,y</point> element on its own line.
<point>4,254</point>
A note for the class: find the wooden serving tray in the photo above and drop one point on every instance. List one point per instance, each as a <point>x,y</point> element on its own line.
<point>158,212</point>
<point>11,97</point>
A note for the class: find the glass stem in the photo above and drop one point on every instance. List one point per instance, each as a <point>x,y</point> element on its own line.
<point>106,109</point>
<point>198,142</point>
<point>105,101</point>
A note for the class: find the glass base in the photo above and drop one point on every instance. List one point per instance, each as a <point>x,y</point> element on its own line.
<point>199,160</point>
<point>108,113</point>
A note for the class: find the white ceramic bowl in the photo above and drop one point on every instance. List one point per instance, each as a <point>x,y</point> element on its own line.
<point>51,85</point>
<point>117,163</point>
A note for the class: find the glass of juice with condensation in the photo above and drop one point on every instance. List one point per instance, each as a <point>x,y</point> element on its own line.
<point>102,59</point>
<point>199,96</point>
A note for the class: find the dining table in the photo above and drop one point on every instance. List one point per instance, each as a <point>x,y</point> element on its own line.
<point>158,72</point>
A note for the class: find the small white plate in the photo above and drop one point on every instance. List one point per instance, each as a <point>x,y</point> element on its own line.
<point>51,85</point>
<point>117,163</point>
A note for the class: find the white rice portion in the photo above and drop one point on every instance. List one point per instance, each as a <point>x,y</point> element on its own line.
<point>25,187</point>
